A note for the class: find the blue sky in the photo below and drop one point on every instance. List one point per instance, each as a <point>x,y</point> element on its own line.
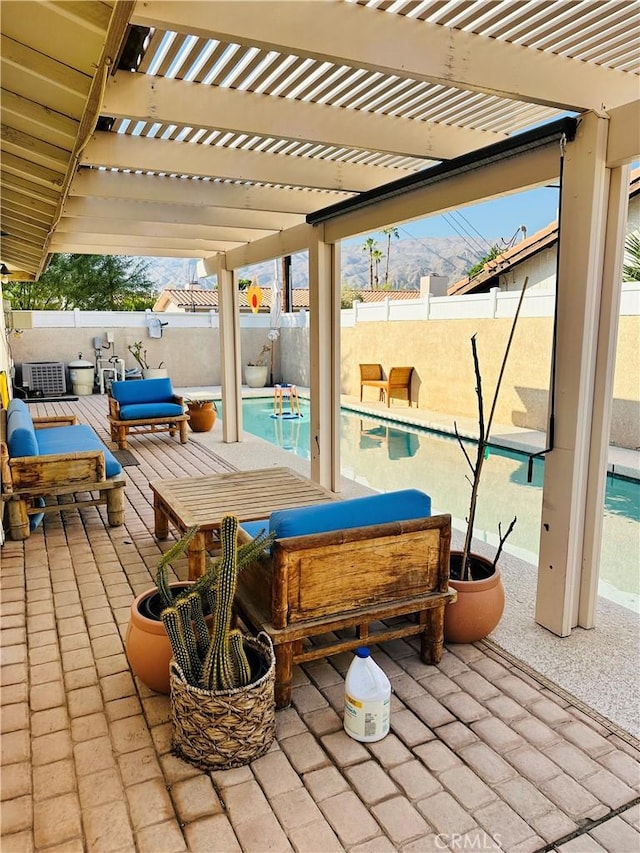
<point>488,222</point>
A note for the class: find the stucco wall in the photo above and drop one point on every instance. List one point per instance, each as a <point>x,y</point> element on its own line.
<point>191,355</point>
<point>443,379</point>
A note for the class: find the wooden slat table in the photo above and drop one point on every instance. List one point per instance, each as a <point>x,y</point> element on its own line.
<point>251,495</point>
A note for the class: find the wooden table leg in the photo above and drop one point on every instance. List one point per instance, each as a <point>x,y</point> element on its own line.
<point>197,556</point>
<point>160,519</point>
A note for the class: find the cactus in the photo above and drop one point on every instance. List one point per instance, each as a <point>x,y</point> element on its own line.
<point>218,662</point>
<point>246,554</point>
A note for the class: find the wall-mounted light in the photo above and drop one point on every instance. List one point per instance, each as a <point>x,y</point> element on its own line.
<point>4,273</point>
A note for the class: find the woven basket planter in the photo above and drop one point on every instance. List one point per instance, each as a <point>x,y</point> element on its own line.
<point>221,729</point>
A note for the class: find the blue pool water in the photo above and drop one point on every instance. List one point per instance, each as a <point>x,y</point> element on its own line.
<point>388,456</point>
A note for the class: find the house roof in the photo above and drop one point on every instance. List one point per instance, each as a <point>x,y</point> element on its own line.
<point>193,299</point>
<point>184,129</point>
<point>543,239</point>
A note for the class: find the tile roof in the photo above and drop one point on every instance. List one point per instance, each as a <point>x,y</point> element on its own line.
<point>193,299</point>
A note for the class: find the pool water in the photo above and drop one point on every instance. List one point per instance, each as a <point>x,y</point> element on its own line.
<point>386,457</point>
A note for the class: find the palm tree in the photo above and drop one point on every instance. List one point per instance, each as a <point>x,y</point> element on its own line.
<point>389,232</point>
<point>631,270</point>
<point>377,256</point>
<point>370,246</point>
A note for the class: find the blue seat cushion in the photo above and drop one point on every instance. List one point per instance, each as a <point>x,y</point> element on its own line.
<point>36,520</point>
<point>21,434</point>
<point>253,528</point>
<point>141,411</point>
<point>142,391</point>
<point>73,439</point>
<point>357,512</point>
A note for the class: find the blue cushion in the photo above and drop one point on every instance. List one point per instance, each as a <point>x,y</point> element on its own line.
<point>141,411</point>
<point>36,520</point>
<point>21,435</point>
<point>357,512</point>
<point>253,528</point>
<point>142,391</point>
<point>73,439</point>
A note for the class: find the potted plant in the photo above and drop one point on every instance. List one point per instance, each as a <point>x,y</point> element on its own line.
<point>222,684</point>
<point>146,643</point>
<point>202,414</point>
<point>140,355</point>
<point>256,371</point>
<point>478,581</point>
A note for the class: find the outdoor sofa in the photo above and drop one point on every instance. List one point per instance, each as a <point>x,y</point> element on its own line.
<point>343,567</point>
<point>54,456</point>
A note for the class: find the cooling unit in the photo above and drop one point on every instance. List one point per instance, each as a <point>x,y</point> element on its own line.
<point>47,377</point>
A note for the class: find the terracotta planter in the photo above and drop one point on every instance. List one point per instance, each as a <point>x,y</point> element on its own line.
<point>146,642</point>
<point>202,416</point>
<point>480,602</point>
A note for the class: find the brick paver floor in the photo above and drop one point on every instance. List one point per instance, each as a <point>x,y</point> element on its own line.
<point>482,754</point>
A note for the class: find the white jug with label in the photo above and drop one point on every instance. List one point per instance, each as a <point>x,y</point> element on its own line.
<point>367,699</point>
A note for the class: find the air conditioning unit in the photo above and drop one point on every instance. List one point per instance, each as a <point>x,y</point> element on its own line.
<point>46,377</point>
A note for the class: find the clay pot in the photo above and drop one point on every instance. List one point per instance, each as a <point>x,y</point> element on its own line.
<point>480,602</point>
<point>202,416</point>
<point>146,642</point>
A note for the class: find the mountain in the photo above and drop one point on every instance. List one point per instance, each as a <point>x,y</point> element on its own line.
<point>410,259</point>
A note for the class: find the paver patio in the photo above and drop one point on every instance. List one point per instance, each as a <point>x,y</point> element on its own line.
<point>482,754</point>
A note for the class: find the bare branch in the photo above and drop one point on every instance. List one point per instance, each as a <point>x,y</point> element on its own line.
<point>503,539</point>
<point>463,448</point>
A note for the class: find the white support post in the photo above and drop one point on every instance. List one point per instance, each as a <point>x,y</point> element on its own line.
<point>581,248</point>
<point>230,355</point>
<point>603,391</point>
<point>324,358</point>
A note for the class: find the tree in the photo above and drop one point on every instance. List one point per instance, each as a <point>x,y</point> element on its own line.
<point>88,282</point>
<point>631,269</point>
<point>370,246</point>
<point>389,232</point>
<point>491,255</point>
<point>348,295</point>
<point>377,257</point>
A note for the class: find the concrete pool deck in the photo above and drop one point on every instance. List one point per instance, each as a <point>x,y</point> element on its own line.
<point>622,461</point>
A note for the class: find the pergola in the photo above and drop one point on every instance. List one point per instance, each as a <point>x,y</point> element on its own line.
<point>237,132</point>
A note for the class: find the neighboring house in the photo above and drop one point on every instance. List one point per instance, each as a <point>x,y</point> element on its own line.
<point>534,257</point>
<point>195,300</point>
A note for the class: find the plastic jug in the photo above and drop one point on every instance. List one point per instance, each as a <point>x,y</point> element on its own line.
<point>367,699</point>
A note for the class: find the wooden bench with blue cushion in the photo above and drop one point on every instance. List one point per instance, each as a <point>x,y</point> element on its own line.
<point>349,565</point>
<point>144,406</point>
<point>54,456</point>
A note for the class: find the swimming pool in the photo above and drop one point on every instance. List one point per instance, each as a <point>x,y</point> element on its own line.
<point>387,456</point>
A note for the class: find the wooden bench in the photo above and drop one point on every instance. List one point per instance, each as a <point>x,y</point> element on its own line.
<point>143,406</point>
<point>340,580</point>
<point>28,479</point>
<point>397,384</point>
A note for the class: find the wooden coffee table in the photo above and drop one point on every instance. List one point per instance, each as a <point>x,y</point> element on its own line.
<point>251,495</point>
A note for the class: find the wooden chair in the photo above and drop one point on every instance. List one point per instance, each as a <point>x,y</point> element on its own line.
<point>145,406</point>
<point>312,586</point>
<point>397,384</point>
